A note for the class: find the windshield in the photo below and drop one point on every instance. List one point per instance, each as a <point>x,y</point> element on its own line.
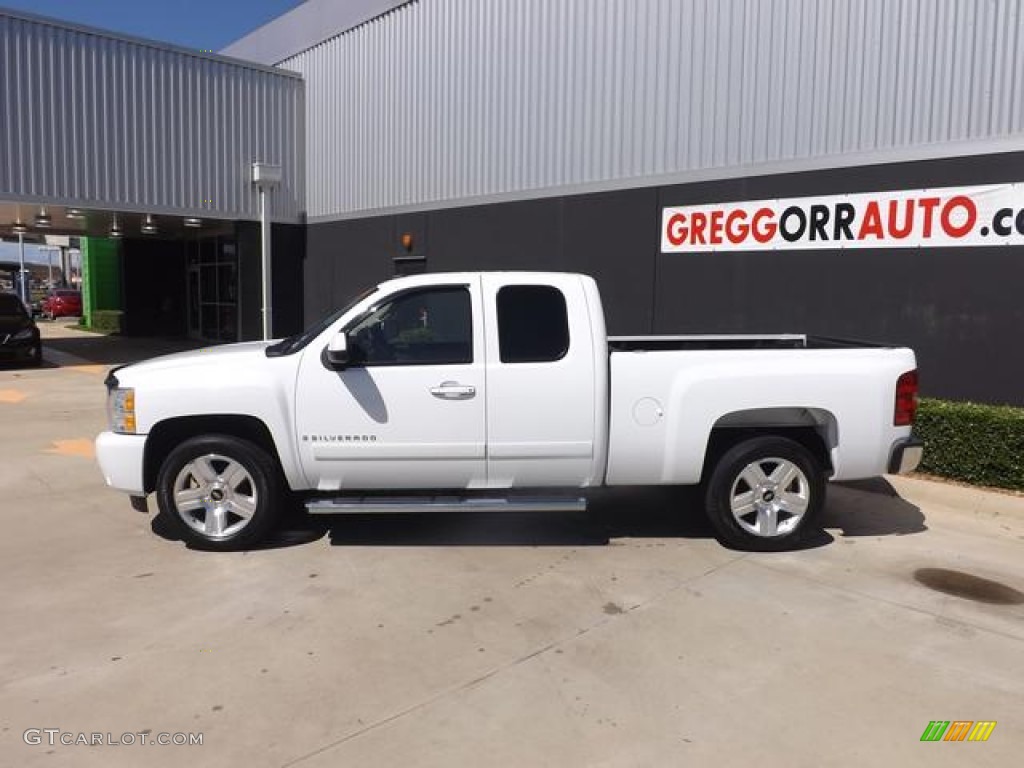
<point>299,341</point>
<point>10,306</point>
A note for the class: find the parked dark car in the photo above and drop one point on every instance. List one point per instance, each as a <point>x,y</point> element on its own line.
<point>62,303</point>
<point>19,336</point>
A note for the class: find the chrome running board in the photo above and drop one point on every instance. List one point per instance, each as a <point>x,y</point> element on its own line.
<point>367,505</point>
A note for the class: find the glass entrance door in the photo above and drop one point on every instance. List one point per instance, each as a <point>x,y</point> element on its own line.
<point>212,266</point>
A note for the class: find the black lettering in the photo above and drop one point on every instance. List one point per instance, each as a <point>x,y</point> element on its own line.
<point>792,211</point>
<point>819,218</point>
<point>999,225</point>
<point>845,213</point>
<point>1020,222</point>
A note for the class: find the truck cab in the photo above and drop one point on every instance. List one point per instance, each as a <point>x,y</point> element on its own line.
<point>457,381</point>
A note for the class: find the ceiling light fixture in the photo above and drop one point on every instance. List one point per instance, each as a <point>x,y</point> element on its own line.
<point>115,228</point>
<point>149,226</point>
<point>19,227</point>
<point>43,219</point>
<point>193,222</point>
<point>74,213</point>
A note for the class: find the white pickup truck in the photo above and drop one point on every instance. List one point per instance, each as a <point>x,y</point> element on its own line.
<point>491,391</point>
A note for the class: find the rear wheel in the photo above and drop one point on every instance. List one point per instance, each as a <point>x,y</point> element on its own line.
<point>764,494</point>
<point>219,492</point>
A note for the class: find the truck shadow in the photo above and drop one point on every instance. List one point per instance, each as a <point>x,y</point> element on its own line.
<point>867,508</point>
<point>654,513</point>
<point>864,508</point>
<point>870,508</point>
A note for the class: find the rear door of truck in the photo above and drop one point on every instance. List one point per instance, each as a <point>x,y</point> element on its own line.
<point>541,375</point>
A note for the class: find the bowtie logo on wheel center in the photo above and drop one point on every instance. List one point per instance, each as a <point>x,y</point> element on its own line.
<point>217,494</point>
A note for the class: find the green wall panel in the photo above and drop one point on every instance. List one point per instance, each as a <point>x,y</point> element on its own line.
<point>101,275</point>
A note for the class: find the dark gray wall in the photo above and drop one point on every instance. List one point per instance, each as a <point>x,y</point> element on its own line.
<point>959,308</point>
<point>287,247</point>
<point>343,258</point>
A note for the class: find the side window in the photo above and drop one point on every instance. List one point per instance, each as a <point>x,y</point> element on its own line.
<point>533,325</point>
<point>433,326</point>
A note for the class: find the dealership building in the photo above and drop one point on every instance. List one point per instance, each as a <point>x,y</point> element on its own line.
<point>851,169</point>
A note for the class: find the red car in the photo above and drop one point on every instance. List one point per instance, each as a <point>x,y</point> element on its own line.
<point>62,303</point>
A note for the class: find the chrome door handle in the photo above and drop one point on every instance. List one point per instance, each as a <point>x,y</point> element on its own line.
<point>452,390</point>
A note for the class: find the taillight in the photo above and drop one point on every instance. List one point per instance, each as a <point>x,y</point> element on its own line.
<point>906,400</point>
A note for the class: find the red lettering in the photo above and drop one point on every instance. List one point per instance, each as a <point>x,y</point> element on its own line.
<point>736,228</point>
<point>676,229</point>
<point>960,201</point>
<point>716,227</point>
<point>700,221</point>
<point>928,204</point>
<point>896,231</point>
<point>766,232</point>
<point>872,223</point>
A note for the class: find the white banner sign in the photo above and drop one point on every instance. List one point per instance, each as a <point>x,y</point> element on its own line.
<point>951,216</point>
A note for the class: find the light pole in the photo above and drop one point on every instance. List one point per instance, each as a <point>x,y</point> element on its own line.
<point>266,176</point>
<point>49,267</point>
<point>22,285</point>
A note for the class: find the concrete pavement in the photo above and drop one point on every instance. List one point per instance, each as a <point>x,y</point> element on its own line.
<point>623,637</point>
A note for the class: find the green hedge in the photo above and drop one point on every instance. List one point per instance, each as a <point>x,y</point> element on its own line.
<point>980,444</point>
<point>107,320</point>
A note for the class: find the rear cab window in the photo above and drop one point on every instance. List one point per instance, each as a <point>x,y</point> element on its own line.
<point>533,324</point>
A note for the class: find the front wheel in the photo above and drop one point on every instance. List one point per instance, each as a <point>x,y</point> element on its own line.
<point>219,492</point>
<point>764,494</point>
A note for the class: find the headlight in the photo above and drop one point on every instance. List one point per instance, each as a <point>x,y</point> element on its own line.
<point>121,410</point>
<point>24,333</point>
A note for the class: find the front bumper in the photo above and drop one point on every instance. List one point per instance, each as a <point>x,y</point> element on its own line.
<point>905,456</point>
<point>121,460</point>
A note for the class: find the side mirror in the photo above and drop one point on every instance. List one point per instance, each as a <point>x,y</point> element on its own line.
<point>337,351</point>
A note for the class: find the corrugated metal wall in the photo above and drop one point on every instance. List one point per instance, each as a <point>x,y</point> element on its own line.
<point>95,120</point>
<point>445,100</point>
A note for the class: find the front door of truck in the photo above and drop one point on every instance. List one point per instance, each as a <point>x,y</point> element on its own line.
<point>408,411</point>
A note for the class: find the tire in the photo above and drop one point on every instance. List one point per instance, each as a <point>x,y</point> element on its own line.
<point>219,492</point>
<point>765,494</point>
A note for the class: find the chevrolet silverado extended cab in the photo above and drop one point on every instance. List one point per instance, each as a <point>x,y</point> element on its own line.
<point>488,391</point>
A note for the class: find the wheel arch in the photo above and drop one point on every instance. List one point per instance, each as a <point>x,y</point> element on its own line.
<point>166,435</point>
<point>816,429</point>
